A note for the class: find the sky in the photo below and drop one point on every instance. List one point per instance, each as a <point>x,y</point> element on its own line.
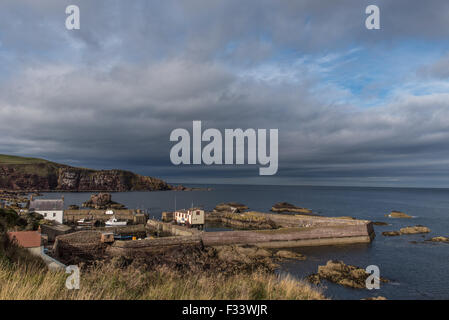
<point>353,107</point>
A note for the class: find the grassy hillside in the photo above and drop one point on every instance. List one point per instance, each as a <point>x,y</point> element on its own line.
<point>21,282</point>
<point>8,159</point>
<point>24,173</point>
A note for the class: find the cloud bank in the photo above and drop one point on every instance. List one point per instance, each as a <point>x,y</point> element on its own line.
<point>353,106</point>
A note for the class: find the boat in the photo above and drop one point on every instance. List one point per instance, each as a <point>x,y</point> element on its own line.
<point>113,222</point>
<point>122,237</point>
<point>85,222</point>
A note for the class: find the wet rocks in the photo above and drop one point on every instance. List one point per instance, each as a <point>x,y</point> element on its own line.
<point>380,223</point>
<point>286,254</point>
<point>414,230</point>
<point>248,221</point>
<point>288,207</point>
<point>398,214</point>
<point>407,230</point>
<point>233,207</point>
<point>340,273</point>
<point>439,239</point>
<point>391,233</point>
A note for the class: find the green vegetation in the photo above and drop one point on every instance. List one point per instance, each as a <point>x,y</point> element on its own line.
<point>8,159</point>
<point>20,281</point>
<point>10,254</point>
<point>9,219</point>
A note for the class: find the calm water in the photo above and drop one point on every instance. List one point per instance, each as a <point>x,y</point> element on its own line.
<point>418,271</point>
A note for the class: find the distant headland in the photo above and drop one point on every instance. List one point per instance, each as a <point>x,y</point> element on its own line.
<point>34,174</point>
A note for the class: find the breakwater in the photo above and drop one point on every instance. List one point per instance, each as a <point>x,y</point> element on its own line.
<point>292,231</point>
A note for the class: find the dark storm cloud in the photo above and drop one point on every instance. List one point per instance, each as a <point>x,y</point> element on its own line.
<point>109,94</point>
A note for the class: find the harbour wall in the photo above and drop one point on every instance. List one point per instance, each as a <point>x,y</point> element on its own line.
<point>296,231</point>
<point>75,215</point>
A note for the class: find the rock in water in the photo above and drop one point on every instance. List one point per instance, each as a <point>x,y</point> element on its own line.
<point>439,239</point>
<point>230,207</point>
<point>407,230</point>
<point>414,230</point>
<point>342,274</point>
<point>380,223</point>
<point>398,214</point>
<point>286,254</point>
<point>102,200</point>
<point>288,207</point>
<point>391,233</point>
<point>375,298</point>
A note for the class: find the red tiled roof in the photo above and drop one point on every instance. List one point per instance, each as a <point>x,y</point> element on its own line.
<point>26,239</point>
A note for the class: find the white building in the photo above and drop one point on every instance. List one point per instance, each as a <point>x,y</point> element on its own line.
<point>190,217</point>
<point>50,209</point>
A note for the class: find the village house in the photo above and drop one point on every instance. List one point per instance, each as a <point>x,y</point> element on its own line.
<point>50,209</point>
<point>190,217</point>
<point>30,240</point>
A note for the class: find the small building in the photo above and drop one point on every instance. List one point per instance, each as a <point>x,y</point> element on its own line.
<point>50,209</point>
<point>190,217</point>
<point>140,218</point>
<point>52,231</point>
<point>167,216</point>
<point>30,240</point>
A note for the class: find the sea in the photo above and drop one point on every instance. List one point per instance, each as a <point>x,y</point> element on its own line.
<point>416,268</point>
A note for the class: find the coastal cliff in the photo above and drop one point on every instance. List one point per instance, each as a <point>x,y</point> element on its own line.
<point>29,174</point>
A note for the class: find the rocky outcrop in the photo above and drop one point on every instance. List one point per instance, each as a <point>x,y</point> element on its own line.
<point>241,253</point>
<point>247,221</point>
<point>184,188</point>
<point>102,201</point>
<point>380,223</point>
<point>439,239</point>
<point>414,230</point>
<point>340,273</point>
<point>407,230</point>
<point>391,233</point>
<point>75,179</point>
<point>230,207</point>
<point>398,214</point>
<point>288,207</point>
<point>286,254</point>
<point>51,176</point>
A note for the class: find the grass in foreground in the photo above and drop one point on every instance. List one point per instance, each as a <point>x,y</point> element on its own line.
<point>33,282</point>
